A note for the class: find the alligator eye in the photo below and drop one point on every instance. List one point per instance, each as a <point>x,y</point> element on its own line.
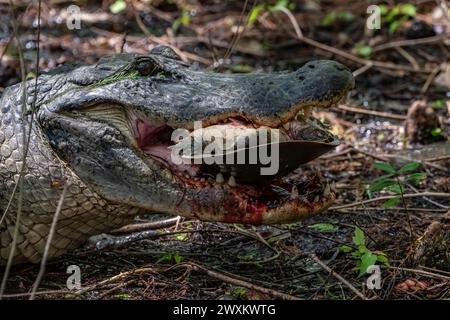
<point>146,66</point>
<point>165,51</point>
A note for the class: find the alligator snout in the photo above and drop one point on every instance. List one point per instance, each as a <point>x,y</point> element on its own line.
<point>323,79</point>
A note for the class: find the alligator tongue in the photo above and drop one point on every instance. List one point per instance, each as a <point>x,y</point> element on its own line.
<point>292,154</point>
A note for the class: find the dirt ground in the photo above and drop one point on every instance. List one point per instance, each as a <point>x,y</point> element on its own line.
<point>399,113</point>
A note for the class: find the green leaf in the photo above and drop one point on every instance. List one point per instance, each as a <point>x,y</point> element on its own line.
<point>436,132</point>
<point>383,259</point>
<point>324,227</point>
<point>117,6</point>
<point>411,166</point>
<point>177,258</point>
<point>415,177</point>
<point>359,238</point>
<point>384,166</point>
<point>391,202</point>
<point>363,249</point>
<point>367,260</point>
<point>438,104</point>
<point>396,188</point>
<point>382,185</point>
<point>346,249</point>
<point>392,13</point>
<point>393,27</point>
<point>333,16</point>
<point>329,19</point>
<point>184,20</point>
<point>254,14</point>
<point>383,177</point>
<point>239,293</point>
<point>280,4</point>
<point>345,16</point>
<point>363,51</point>
<point>165,258</point>
<point>181,236</point>
<point>383,9</point>
<point>408,9</point>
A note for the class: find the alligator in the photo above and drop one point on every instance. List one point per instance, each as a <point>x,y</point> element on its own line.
<point>101,134</point>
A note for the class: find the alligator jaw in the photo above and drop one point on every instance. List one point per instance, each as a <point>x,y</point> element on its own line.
<point>228,197</point>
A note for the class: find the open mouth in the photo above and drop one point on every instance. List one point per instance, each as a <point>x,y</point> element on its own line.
<point>300,139</point>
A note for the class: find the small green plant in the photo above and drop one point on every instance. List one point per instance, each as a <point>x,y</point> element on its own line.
<point>170,257</point>
<point>337,16</point>
<point>324,227</point>
<point>364,256</point>
<point>363,50</point>
<point>397,15</point>
<point>257,10</point>
<point>438,104</point>
<point>436,132</point>
<point>248,256</point>
<point>254,13</point>
<point>182,20</point>
<point>118,6</point>
<point>239,293</point>
<point>394,180</point>
<point>181,236</point>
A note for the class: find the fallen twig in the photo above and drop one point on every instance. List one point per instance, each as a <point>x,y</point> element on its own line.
<point>423,272</point>
<point>381,114</point>
<point>411,42</point>
<point>409,195</point>
<point>372,112</point>
<point>238,282</point>
<point>338,276</point>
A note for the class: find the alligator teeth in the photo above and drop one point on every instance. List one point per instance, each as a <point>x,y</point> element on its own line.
<point>233,172</point>
<point>327,190</point>
<point>294,192</point>
<point>222,168</point>
<point>316,199</point>
<point>232,182</point>
<point>219,178</point>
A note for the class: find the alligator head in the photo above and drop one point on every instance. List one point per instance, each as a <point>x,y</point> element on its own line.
<point>113,125</point>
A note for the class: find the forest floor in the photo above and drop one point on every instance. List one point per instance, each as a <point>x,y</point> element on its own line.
<point>402,80</point>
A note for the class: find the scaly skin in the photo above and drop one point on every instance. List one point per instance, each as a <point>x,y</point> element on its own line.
<point>84,213</point>
<point>109,180</point>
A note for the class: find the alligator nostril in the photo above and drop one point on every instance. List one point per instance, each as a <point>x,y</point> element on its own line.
<point>301,78</point>
<point>340,68</point>
<point>311,66</point>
